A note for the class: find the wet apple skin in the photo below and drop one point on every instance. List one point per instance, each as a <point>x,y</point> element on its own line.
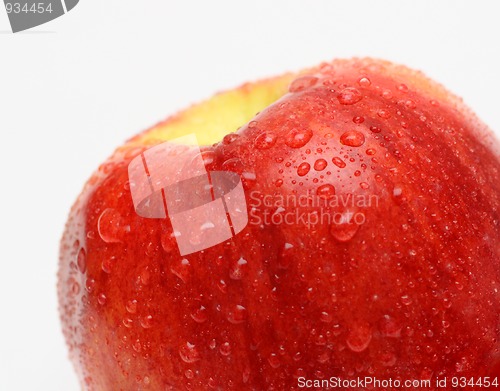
<point>411,293</point>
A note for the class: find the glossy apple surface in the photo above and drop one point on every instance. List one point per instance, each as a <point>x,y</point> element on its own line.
<point>387,265</point>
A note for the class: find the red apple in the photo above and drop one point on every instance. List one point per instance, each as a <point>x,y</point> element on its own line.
<point>372,247</point>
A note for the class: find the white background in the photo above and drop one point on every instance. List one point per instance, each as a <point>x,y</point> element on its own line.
<point>74,89</point>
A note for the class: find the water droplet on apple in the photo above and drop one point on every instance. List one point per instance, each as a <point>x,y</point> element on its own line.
<point>74,286</point>
<point>265,140</point>
<point>326,191</point>
<point>181,268</point>
<point>352,138</point>
<point>406,300</point>
<point>221,284</point>
<point>297,138</point>
<point>321,340</point>
<point>151,249</point>
<point>127,322</point>
<point>302,83</point>
<point>375,129</point>
<point>349,96</point>
<point>225,349</point>
<point>388,359</point>
<point>246,374</point>
<point>199,315</point>
<point>101,299</point>
<point>344,229</point>
<point>237,315</point>
<point>208,157</point>
<point>212,383</point>
<point>389,327</point>
<point>371,151</point>
<point>111,227</point>
<point>131,306</point>
<point>387,94</point>
<point>107,167</point>
<point>144,277</point>
<point>461,365</point>
<point>81,260</point>
<point>326,317</point>
<point>237,269</point>
<point>446,302</point>
<point>359,337</point>
<point>358,120</point>
<point>90,285</point>
<point>189,353</point>
<point>168,242</point>
<point>234,165</point>
<point>137,346</point>
<point>338,162</point>
<point>324,357</point>
<point>230,138</point>
<point>108,264</point>
<point>303,169</point>
<point>364,82</point>
<point>274,360</point>
<point>320,164</point>
<point>284,257</point>
<point>403,88</point>
<point>146,321</point>
<point>397,191</point>
<point>385,114</point>
<point>410,104</point>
